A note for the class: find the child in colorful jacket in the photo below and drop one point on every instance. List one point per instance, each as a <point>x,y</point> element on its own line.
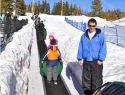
<point>51,37</point>
<point>52,56</point>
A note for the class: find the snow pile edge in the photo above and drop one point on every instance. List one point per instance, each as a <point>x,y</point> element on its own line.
<point>14,63</point>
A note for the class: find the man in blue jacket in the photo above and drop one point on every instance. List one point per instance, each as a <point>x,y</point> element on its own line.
<point>92,49</point>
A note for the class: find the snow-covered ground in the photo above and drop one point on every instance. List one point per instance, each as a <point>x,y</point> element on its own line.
<point>120,22</point>
<point>13,79</point>
<point>14,73</point>
<point>68,36</point>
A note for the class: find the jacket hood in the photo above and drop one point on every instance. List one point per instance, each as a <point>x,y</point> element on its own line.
<point>98,31</point>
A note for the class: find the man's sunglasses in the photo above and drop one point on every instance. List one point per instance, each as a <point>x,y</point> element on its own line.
<point>92,25</point>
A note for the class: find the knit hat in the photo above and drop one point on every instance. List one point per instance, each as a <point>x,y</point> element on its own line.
<point>53,42</point>
<point>51,34</point>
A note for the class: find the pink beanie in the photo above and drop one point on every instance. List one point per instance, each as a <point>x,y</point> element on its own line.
<point>51,34</point>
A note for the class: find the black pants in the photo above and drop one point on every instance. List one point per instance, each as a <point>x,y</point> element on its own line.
<point>91,76</point>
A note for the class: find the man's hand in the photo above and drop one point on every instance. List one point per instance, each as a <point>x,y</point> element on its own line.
<point>99,62</point>
<point>80,62</point>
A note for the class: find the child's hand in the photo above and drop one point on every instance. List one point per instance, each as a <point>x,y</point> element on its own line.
<point>41,65</point>
<point>61,62</point>
<point>42,62</point>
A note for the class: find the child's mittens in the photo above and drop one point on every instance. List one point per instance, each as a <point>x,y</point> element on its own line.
<point>42,63</point>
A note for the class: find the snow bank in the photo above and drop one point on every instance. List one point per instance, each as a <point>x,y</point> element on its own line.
<point>101,22</point>
<point>14,62</point>
<point>120,22</point>
<point>29,14</point>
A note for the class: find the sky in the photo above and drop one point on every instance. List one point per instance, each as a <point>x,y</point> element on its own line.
<point>85,4</point>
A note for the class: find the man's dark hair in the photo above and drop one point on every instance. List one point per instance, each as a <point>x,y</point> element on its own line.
<point>92,20</point>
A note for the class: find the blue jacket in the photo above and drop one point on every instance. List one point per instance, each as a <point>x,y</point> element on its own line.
<point>92,49</point>
<point>52,56</point>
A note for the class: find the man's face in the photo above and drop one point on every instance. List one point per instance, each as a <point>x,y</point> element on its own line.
<point>92,26</point>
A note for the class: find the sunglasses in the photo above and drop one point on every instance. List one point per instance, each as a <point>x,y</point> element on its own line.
<point>92,25</point>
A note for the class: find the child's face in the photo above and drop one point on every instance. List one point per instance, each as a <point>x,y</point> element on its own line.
<point>50,37</point>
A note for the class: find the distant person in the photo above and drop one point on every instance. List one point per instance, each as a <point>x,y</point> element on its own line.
<point>36,16</point>
<point>2,17</point>
<point>92,49</point>
<point>12,16</point>
<point>51,37</point>
<point>52,56</point>
<point>37,21</point>
<point>40,27</point>
<point>8,16</point>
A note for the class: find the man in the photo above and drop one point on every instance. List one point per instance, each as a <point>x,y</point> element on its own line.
<point>40,38</point>
<point>12,16</point>
<point>40,30</point>
<point>92,49</point>
<point>37,22</point>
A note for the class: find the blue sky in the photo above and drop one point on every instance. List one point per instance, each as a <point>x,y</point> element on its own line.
<point>85,4</point>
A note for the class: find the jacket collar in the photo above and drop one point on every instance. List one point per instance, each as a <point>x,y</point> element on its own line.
<point>98,31</point>
<point>51,47</point>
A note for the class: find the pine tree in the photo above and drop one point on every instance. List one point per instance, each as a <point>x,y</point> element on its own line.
<point>64,8</point>
<point>54,9</point>
<point>75,9</point>
<point>96,7</point>
<point>28,8</point>
<point>58,8</point>
<point>67,8</point>
<point>79,11</point>
<point>42,7</point>
<point>71,9</point>
<point>102,14</point>
<point>6,5</point>
<point>20,7</point>
<point>38,6</point>
<point>82,12</point>
<point>45,7</point>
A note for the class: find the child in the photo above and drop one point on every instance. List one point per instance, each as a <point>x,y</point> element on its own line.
<point>51,37</point>
<point>52,56</point>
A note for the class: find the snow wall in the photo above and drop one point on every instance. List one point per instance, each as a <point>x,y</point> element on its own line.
<point>14,62</point>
